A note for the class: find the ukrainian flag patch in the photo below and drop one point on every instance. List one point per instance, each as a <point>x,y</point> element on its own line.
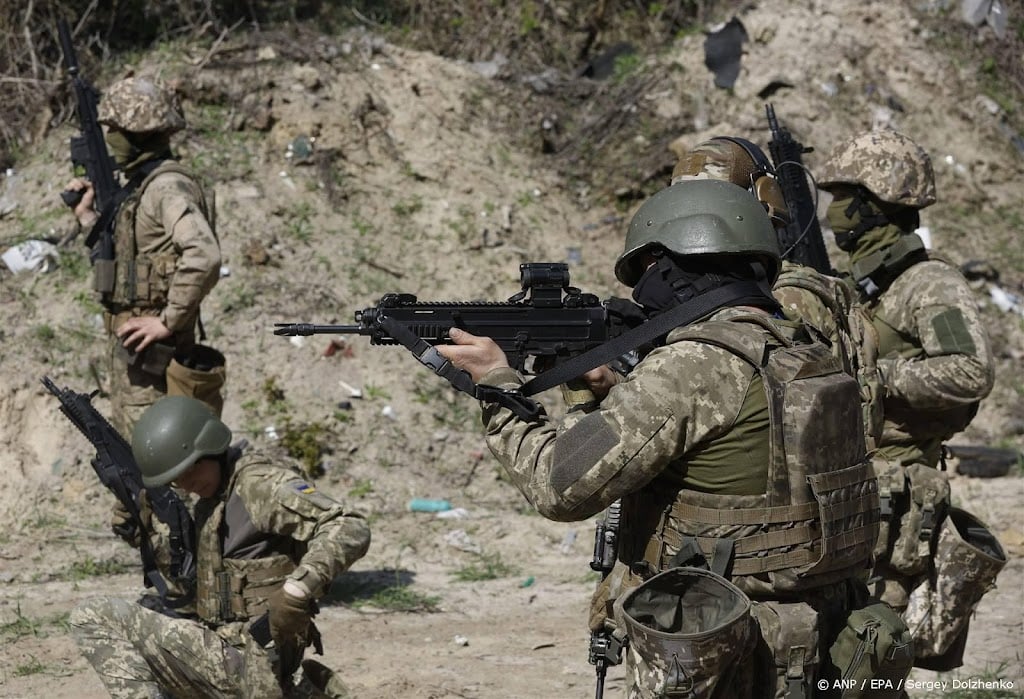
<point>304,488</point>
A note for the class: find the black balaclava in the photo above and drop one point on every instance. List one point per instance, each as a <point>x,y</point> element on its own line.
<point>673,280</point>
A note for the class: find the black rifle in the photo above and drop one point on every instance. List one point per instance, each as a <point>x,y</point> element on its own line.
<point>115,465</point>
<point>801,239</point>
<point>605,648</point>
<point>548,321</point>
<point>89,154</point>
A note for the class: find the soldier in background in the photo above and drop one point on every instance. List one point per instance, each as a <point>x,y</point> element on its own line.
<point>267,542</point>
<point>825,302</point>
<point>167,258</point>
<point>935,365</point>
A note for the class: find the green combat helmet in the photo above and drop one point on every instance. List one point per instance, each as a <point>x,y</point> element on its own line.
<point>139,105</point>
<point>172,435</point>
<point>700,217</point>
<point>888,164</point>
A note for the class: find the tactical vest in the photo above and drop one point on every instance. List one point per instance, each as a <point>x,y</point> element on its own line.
<point>818,519</point>
<point>142,280</point>
<point>232,589</point>
<point>856,344</point>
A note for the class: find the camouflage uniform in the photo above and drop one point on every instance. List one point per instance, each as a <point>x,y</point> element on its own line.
<point>934,362</point>
<point>267,524</point>
<point>167,254</point>
<point>686,432</point>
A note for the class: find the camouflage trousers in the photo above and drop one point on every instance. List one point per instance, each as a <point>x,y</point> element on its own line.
<point>131,390</point>
<point>142,654</point>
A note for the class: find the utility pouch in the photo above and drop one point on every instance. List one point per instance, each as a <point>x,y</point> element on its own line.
<point>153,360</point>
<point>103,276</point>
<point>199,373</point>
<point>691,635</point>
<point>873,654</point>
<point>914,525</point>
<point>967,560</point>
<point>790,633</point>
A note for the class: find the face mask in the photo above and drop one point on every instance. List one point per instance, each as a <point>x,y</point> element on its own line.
<point>121,148</point>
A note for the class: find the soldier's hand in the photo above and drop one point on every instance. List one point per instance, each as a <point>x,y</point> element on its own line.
<point>290,616</point>
<point>80,195</point>
<point>139,333</point>
<point>477,355</point>
<point>124,525</point>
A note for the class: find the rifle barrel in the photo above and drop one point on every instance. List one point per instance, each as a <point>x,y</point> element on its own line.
<point>311,329</point>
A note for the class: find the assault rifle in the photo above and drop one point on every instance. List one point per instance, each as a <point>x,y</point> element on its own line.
<point>548,320</point>
<point>605,647</point>
<point>115,465</point>
<point>89,154</point>
<point>800,239</point>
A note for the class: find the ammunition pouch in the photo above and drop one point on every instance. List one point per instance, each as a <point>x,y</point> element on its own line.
<point>693,630</point>
<point>790,634</point>
<point>917,512</point>
<point>104,276</point>
<point>199,373</point>
<point>968,558</point>
<point>874,644</point>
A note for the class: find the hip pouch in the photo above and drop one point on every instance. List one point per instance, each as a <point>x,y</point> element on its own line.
<point>789,657</point>
<point>872,655</point>
<point>692,634</point>
<point>199,373</point>
<point>967,560</point>
<point>916,516</point>
<point>154,360</point>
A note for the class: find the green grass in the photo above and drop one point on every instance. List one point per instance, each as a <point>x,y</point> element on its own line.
<point>32,667</point>
<point>400,598</point>
<point>488,566</point>
<point>91,568</point>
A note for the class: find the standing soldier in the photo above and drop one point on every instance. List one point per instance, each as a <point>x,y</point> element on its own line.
<point>934,362</point>
<point>267,543</point>
<point>166,257</point>
<point>748,506</point>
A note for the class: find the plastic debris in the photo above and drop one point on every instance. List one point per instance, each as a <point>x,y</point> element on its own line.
<point>528,582</point>
<point>271,432</point>
<point>1005,301</point>
<point>353,392</point>
<point>454,513</point>
<point>460,540</point>
<point>567,541</point>
<point>389,412</point>
<point>460,640</point>
<point>31,256</point>
<point>428,505</point>
<point>723,49</point>
<point>297,341</point>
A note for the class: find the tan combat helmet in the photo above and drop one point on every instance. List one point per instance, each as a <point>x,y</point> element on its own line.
<point>740,162</point>
<point>888,164</point>
<point>140,105</point>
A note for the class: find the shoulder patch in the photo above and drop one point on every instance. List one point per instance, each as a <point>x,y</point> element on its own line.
<point>952,333</point>
<point>304,488</point>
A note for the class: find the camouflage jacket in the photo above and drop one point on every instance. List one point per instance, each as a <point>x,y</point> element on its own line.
<point>168,255</point>
<point>269,523</point>
<point>934,359</point>
<point>680,396</point>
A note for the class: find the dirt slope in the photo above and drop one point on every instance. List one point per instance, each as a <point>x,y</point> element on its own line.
<point>427,176</point>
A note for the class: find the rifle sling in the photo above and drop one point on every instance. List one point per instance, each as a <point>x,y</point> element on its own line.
<point>105,223</point>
